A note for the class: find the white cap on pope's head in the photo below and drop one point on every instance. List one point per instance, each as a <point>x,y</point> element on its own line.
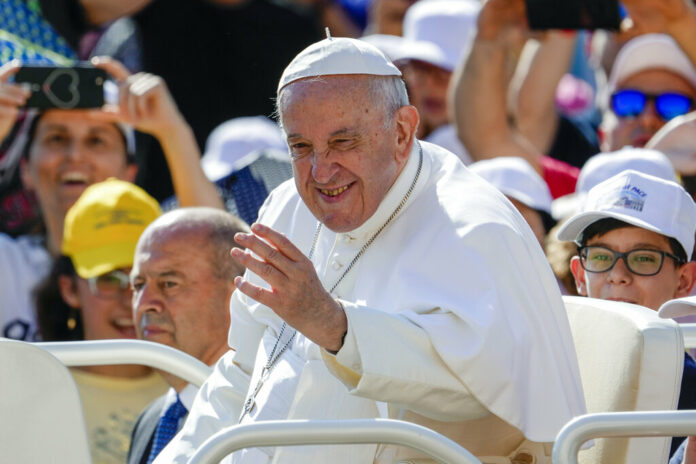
<point>339,55</point>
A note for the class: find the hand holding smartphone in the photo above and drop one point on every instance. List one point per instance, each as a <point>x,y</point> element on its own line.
<point>573,14</point>
<point>79,86</point>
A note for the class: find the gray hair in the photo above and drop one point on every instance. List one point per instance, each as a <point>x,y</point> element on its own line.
<point>387,92</point>
<point>216,226</point>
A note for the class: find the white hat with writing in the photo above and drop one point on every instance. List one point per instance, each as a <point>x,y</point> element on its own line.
<point>604,165</point>
<point>339,55</point>
<point>641,200</point>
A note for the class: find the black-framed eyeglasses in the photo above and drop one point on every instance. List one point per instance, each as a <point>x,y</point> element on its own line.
<point>109,285</point>
<point>644,262</point>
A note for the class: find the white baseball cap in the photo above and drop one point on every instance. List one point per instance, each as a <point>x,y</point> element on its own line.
<point>650,51</point>
<point>516,178</point>
<point>232,140</point>
<point>337,55</point>
<point>439,31</point>
<point>602,166</point>
<point>641,200</point>
<point>678,307</point>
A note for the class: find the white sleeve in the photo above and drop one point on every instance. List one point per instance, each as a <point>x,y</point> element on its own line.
<point>409,373</point>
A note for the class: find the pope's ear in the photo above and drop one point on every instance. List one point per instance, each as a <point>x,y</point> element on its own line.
<point>406,119</point>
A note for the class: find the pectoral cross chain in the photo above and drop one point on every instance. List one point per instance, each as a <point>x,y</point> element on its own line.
<point>251,401</point>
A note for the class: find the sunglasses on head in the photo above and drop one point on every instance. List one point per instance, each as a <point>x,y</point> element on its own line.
<point>629,102</point>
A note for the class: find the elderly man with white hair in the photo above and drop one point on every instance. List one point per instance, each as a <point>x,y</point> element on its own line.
<point>386,280</point>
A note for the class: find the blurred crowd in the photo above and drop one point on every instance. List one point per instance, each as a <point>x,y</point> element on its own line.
<point>116,222</point>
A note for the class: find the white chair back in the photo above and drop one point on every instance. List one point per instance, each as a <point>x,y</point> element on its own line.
<point>40,412</point>
<point>630,360</point>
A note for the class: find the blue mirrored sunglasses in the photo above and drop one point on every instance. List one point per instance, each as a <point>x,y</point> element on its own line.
<point>629,102</point>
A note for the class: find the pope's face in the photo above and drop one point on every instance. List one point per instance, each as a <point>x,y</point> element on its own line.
<point>346,152</point>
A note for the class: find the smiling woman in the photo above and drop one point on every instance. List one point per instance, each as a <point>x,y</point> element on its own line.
<point>67,151</point>
<point>88,297</point>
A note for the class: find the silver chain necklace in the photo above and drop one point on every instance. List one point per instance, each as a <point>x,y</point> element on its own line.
<point>273,356</point>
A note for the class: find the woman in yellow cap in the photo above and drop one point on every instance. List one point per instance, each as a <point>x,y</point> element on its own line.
<point>88,297</point>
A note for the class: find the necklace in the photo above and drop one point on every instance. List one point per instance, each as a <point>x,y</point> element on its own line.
<point>273,356</point>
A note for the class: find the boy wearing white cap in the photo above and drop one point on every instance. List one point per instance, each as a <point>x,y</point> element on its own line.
<point>635,238</point>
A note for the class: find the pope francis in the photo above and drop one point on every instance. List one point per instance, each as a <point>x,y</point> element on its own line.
<point>386,280</point>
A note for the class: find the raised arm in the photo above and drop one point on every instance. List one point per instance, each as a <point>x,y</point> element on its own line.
<point>674,17</point>
<point>535,112</point>
<point>145,102</point>
<point>479,88</point>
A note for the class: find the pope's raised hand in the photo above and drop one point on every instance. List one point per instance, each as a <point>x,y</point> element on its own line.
<point>296,294</point>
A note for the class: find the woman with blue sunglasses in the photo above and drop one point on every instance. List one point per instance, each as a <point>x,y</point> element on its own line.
<point>652,81</point>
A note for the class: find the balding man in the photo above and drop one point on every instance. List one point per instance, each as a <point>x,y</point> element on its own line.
<point>182,281</point>
<point>387,280</point>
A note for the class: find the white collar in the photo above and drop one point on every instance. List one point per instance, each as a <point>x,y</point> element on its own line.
<point>187,395</point>
<point>391,200</point>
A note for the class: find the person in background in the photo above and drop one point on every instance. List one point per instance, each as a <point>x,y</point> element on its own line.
<point>242,46</point>
<point>598,168</point>
<point>652,81</point>
<point>635,237</point>
<point>436,36</point>
<point>88,297</point>
<point>68,150</point>
<point>182,280</point>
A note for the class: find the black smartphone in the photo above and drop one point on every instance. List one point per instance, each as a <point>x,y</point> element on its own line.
<point>80,86</point>
<point>573,14</point>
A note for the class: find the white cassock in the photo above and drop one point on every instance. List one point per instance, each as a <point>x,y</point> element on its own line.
<point>455,321</point>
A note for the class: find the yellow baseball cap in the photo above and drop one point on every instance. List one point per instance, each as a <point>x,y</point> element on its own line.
<point>103,226</point>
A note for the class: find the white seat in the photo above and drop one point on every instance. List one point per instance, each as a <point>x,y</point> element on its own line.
<point>41,417</point>
<point>630,360</point>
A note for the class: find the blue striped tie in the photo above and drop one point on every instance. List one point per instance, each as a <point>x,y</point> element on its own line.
<point>167,428</point>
